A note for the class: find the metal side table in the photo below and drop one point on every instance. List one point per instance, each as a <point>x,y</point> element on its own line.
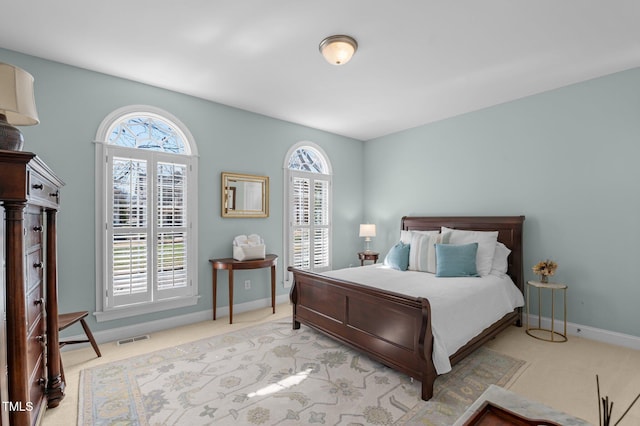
<point>554,336</point>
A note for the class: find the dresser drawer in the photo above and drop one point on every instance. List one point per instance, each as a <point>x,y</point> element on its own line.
<point>37,383</point>
<point>35,306</point>
<point>42,191</point>
<point>35,345</point>
<point>33,229</point>
<point>34,268</point>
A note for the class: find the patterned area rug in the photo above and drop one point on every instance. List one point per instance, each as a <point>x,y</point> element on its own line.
<point>273,375</point>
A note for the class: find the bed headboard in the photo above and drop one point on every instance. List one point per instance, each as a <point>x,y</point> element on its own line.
<point>509,233</point>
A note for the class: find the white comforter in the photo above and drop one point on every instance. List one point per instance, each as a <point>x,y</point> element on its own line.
<point>460,307</point>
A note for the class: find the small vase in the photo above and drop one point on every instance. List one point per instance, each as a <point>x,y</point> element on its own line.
<point>544,279</point>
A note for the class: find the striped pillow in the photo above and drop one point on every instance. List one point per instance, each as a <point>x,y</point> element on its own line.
<point>405,236</point>
<point>422,253</point>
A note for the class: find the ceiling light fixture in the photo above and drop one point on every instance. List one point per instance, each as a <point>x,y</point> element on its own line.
<point>338,49</point>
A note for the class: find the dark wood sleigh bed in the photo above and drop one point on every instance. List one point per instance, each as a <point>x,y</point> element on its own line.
<point>392,328</point>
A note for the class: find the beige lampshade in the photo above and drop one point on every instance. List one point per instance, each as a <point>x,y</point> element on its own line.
<point>338,49</point>
<point>367,230</point>
<point>17,101</point>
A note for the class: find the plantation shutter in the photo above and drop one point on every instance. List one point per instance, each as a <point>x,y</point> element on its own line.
<point>301,221</point>
<point>171,231</point>
<point>129,234</point>
<point>149,234</point>
<point>310,224</point>
<point>321,224</point>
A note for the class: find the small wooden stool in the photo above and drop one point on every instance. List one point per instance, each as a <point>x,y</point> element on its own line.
<point>66,320</point>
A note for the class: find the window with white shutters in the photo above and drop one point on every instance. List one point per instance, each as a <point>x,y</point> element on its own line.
<point>308,205</point>
<point>147,260</point>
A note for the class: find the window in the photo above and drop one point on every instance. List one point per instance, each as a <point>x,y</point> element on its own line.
<point>145,226</point>
<point>308,207</point>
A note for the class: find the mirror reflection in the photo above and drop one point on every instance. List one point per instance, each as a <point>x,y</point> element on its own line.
<point>245,195</point>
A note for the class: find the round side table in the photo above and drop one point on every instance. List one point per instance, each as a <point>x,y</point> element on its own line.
<point>554,336</point>
<point>368,255</point>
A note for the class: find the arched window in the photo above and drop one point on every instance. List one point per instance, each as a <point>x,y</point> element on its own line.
<point>146,175</point>
<point>308,159</point>
<point>308,206</point>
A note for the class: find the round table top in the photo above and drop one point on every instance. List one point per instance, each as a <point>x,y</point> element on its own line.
<point>231,263</point>
<point>553,286</point>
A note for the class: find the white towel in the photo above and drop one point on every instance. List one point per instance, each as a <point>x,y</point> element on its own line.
<point>240,240</point>
<point>254,240</point>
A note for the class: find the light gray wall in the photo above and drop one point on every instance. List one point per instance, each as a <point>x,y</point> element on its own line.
<point>72,103</point>
<point>566,159</point>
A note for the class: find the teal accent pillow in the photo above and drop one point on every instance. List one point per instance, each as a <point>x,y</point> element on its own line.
<point>398,257</point>
<point>456,260</point>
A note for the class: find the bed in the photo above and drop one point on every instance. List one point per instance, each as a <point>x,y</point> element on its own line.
<point>393,328</point>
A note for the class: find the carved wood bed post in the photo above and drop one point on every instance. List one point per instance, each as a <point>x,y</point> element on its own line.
<point>293,296</point>
<point>425,347</point>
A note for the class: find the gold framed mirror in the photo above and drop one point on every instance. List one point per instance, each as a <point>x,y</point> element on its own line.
<point>244,195</point>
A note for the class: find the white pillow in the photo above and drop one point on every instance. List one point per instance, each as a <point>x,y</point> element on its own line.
<point>422,252</point>
<point>405,236</point>
<point>500,263</point>
<point>486,246</point>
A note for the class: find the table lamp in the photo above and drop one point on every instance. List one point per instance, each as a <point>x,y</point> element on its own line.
<point>367,230</point>
<point>17,105</point>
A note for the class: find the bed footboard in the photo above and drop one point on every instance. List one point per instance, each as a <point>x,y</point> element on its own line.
<point>393,329</point>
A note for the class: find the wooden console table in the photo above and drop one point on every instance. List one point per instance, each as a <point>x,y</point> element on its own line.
<point>230,265</point>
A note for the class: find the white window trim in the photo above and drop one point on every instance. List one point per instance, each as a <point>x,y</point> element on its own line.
<point>288,175</point>
<point>104,313</point>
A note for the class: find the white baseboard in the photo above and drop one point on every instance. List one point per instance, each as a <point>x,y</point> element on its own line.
<point>119,333</point>
<point>597,334</point>
<point>592,333</point>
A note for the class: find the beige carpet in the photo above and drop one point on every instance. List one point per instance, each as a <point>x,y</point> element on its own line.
<point>559,375</point>
<point>271,374</point>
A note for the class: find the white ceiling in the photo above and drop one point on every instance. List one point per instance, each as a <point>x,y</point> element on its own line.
<point>418,60</point>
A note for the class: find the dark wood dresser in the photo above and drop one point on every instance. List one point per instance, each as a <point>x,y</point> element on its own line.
<point>30,378</point>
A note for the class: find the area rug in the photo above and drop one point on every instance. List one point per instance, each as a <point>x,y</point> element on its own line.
<point>271,374</point>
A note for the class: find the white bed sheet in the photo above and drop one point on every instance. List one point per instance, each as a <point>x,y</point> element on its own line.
<point>460,307</point>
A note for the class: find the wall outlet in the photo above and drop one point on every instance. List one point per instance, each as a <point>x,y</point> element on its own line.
<point>247,284</point>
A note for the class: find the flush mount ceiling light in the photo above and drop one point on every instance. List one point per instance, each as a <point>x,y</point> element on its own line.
<point>338,49</point>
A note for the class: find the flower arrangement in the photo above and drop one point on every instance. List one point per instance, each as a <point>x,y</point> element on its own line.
<point>545,269</point>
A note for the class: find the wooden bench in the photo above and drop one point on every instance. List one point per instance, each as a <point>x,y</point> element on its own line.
<point>66,320</point>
